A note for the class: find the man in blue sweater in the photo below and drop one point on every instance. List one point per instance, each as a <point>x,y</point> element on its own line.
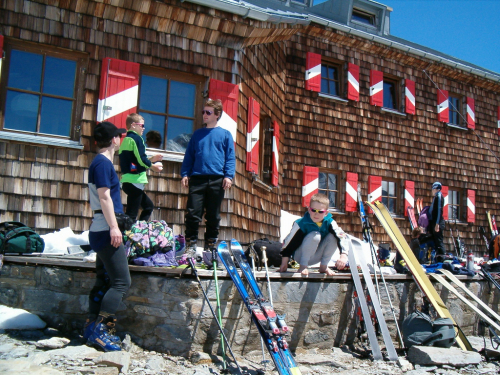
<point>207,170</point>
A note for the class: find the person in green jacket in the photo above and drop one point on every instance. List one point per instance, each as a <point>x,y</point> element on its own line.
<point>134,163</point>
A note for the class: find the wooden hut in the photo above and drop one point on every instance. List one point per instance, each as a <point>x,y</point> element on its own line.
<point>316,97</point>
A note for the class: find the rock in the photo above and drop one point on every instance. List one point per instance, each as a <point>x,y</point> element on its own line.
<point>404,364</point>
<point>51,332</point>
<point>156,363</point>
<point>23,367</point>
<point>129,346</point>
<point>315,360</point>
<point>106,371</point>
<point>199,358</point>
<point>53,343</point>
<point>19,319</point>
<point>120,360</point>
<point>425,355</point>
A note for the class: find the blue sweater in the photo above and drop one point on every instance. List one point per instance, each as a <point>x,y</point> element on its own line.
<point>210,152</point>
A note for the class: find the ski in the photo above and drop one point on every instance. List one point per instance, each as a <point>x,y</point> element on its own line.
<point>370,329</point>
<point>452,289</point>
<point>490,224</point>
<point>414,266</point>
<point>411,216</point>
<point>462,286</point>
<point>358,252</point>
<point>256,313</point>
<point>275,323</point>
<point>482,233</point>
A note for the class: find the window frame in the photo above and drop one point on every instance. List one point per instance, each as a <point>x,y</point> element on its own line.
<point>398,92</point>
<point>338,175</point>
<point>199,81</point>
<point>362,13</point>
<point>341,90</point>
<point>395,197</point>
<point>458,111</point>
<point>81,59</point>
<point>452,204</point>
<point>265,148</point>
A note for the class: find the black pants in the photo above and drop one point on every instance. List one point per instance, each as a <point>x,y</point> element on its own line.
<point>205,194</point>
<point>137,198</point>
<point>438,238</point>
<point>112,281</point>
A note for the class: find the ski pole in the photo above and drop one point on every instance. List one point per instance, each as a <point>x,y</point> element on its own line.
<point>214,265</point>
<point>264,259</point>
<point>195,273</point>
<point>252,256</point>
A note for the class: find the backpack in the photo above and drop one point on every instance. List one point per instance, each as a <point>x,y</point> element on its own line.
<point>423,218</point>
<point>273,252</point>
<point>15,237</point>
<point>145,239</point>
<point>419,329</point>
<point>494,247</point>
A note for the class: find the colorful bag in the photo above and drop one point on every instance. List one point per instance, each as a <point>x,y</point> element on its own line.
<point>145,239</point>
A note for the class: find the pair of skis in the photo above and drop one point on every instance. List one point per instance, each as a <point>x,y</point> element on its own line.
<point>271,327</point>
<point>492,223</point>
<point>356,258</point>
<point>414,266</point>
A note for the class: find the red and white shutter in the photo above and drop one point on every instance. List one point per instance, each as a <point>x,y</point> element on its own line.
<point>228,93</point>
<point>351,192</point>
<point>471,114</point>
<point>313,72</point>
<point>442,108</point>
<point>471,206</point>
<point>376,88</point>
<point>1,46</point>
<point>374,189</point>
<point>409,195</point>
<point>410,97</point>
<point>118,92</point>
<point>253,134</point>
<point>444,191</point>
<point>353,82</point>
<point>276,156</point>
<point>498,119</point>
<point>310,181</point>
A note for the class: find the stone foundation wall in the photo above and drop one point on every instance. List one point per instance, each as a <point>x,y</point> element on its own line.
<point>168,314</point>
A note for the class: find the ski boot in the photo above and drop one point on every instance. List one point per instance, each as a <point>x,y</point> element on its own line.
<point>101,337</point>
<point>210,252</point>
<point>89,327</point>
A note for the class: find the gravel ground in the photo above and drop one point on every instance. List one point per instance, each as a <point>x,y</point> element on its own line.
<point>36,352</point>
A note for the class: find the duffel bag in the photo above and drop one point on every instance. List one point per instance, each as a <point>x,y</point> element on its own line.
<point>15,237</point>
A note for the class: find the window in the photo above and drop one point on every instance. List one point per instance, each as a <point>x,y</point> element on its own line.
<point>363,17</point>
<point>454,109</point>
<point>391,98</point>
<point>171,104</point>
<point>328,185</point>
<point>266,148</point>
<point>389,195</point>
<point>453,205</point>
<point>330,82</point>
<point>40,90</point>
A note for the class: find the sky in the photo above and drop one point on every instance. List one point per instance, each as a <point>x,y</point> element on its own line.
<point>465,29</point>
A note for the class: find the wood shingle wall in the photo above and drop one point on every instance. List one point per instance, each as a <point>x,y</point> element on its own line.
<point>45,186</point>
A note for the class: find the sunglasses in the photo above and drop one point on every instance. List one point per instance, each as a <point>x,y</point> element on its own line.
<point>317,211</point>
<point>208,113</point>
<point>141,125</point>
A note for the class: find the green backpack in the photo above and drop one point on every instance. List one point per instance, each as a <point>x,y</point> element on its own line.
<point>15,237</point>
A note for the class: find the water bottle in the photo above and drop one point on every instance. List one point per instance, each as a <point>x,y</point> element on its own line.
<point>470,262</point>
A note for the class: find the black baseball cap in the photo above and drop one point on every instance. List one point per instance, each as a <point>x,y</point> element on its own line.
<point>106,131</point>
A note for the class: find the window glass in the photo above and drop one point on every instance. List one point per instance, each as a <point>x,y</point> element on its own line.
<point>454,110</point>
<point>363,17</point>
<point>390,95</point>
<point>327,185</point>
<point>330,79</point>
<point>25,72</point>
<point>389,195</point>
<point>40,93</point>
<point>168,107</point>
<point>153,94</point>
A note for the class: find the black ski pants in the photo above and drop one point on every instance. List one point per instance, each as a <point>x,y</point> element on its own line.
<point>137,198</point>
<point>205,194</point>
<point>438,237</point>
<point>112,281</point>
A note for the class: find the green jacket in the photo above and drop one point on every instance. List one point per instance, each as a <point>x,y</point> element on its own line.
<point>133,159</point>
